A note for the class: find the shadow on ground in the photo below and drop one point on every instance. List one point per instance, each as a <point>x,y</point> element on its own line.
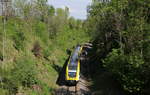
<point>61,78</point>
<point>104,83</point>
<point>57,68</point>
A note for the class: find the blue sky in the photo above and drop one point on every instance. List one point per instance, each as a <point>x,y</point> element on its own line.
<point>77,7</point>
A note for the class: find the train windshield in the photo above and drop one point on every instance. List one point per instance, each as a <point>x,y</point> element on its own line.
<point>72,74</point>
<point>72,67</point>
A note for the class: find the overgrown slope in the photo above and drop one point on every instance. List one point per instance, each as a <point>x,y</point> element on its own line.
<point>30,52</point>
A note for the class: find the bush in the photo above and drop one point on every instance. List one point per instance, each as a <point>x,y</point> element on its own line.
<point>24,72</point>
<point>128,70</point>
<point>7,82</point>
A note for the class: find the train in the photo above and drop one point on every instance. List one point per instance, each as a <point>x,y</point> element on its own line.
<point>73,66</point>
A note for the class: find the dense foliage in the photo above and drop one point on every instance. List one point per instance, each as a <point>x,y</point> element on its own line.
<point>120,30</point>
<point>36,36</point>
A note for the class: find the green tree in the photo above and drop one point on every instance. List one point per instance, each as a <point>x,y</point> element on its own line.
<point>122,25</point>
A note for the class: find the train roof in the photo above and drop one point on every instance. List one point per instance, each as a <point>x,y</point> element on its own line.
<point>75,56</point>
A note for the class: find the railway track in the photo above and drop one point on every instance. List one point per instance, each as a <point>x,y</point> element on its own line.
<point>68,90</point>
<point>80,89</point>
<point>72,90</point>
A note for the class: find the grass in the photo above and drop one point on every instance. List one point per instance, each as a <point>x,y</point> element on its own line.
<point>20,39</point>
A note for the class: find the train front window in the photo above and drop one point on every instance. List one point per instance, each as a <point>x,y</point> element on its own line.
<point>72,67</point>
<point>72,74</point>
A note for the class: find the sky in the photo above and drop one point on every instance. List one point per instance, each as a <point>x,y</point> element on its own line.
<point>78,8</point>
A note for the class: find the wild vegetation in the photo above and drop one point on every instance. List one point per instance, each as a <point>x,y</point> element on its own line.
<point>36,37</point>
<point>120,30</point>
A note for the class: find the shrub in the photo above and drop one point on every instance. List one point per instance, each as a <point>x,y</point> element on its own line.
<point>128,70</point>
<point>7,83</point>
<point>24,72</point>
